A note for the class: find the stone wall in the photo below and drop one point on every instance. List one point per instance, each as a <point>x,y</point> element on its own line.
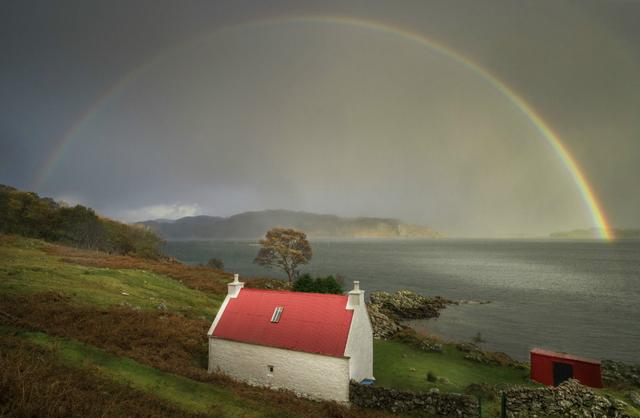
<point>433,403</point>
<point>617,373</point>
<point>570,399</point>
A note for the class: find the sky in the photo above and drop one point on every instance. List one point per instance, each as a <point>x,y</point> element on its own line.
<point>164,109</point>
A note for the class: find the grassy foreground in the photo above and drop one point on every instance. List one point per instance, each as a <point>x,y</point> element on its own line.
<point>141,325</point>
<point>187,394</point>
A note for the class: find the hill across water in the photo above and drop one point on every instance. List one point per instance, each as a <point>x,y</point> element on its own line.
<point>250,225</point>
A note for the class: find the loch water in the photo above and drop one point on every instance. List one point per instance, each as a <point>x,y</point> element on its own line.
<point>580,297</point>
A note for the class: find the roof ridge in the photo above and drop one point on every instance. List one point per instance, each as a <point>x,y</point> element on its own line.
<point>293,292</point>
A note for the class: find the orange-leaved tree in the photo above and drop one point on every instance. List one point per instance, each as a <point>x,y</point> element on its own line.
<point>285,248</point>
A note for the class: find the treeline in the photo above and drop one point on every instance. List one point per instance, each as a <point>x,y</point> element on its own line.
<point>27,214</point>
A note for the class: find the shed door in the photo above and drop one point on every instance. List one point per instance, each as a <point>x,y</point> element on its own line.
<point>561,372</point>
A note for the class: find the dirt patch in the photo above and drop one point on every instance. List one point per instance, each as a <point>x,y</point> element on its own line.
<point>34,384</point>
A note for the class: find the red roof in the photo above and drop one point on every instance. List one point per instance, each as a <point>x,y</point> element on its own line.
<point>310,322</point>
<point>565,356</point>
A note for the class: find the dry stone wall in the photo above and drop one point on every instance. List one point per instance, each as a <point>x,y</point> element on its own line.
<point>432,403</point>
<point>570,399</point>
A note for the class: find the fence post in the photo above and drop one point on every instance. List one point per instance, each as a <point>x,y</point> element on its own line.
<point>503,405</point>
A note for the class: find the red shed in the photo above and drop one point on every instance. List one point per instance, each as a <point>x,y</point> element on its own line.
<point>551,368</point>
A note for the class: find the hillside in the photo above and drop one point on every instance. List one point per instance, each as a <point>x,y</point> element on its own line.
<point>250,225</point>
<point>30,215</point>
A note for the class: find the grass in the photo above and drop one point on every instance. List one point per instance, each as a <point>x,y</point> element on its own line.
<point>26,268</point>
<point>35,383</point>
<point>401,366</point>
<point>188,394</point>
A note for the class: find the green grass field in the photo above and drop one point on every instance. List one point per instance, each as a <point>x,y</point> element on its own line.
<point>399,365</point>
<point>25,268</point>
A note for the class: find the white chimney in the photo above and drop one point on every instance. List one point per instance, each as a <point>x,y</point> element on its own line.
<point>356,296</point>
<point>235,286</point>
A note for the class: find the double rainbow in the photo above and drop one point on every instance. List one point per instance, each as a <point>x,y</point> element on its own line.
<point>586,190</point>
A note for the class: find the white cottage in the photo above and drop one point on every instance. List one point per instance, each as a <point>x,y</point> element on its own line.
<point>310,343</point>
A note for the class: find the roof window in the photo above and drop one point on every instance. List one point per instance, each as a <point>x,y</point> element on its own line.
<point>275,318</point>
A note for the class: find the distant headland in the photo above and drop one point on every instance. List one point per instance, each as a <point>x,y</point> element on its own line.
<point>595,233</point>
<point>249,225</point>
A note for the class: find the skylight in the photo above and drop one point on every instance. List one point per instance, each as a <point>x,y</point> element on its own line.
<point>275,318</point>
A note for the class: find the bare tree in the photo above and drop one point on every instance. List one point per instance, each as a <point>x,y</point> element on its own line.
<point>284,248</point>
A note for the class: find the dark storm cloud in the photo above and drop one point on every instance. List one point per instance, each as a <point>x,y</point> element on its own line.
<point>324,117</point>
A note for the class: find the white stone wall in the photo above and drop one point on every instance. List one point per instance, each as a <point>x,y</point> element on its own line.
<point>360,344</point>
<point>310,375</point>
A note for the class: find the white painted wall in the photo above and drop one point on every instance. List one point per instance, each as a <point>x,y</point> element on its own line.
<point>359,347</point>
<point>311,375</point>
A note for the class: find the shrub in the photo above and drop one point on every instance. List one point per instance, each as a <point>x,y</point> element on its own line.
<point>306,283</point>
<point>216,263</point>
<point>431,377</point>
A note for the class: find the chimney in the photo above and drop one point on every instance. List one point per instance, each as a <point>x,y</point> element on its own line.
<point>235,286</point>
<point>356,296</point>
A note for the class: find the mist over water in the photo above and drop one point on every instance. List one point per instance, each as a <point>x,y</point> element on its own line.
<point>579,297</point>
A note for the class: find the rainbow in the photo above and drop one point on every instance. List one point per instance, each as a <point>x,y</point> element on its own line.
<point>586,190</point>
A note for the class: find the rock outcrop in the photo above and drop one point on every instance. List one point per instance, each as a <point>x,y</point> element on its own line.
<point>570,399</point>
<point>383,325</point>
<point>405,304</point>
<point>386,310</point>
<point>620,374</point>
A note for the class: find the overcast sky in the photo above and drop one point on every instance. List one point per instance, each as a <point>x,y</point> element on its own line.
<point>231,106</point>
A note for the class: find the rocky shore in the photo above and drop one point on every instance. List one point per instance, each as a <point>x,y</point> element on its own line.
<point>405,304</point>
<point>388,309</point>
<point>615,373</point>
